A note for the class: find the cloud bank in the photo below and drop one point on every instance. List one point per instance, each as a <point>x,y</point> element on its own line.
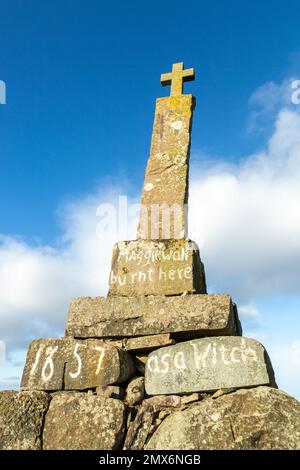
<point>246,217</point>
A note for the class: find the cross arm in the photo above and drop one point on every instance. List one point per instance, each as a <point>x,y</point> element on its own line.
<point>166,79</point>
<point>188,75</point>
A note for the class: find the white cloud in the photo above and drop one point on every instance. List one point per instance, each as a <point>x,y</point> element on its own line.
<point>38,282</point>
<point>270,95</point>
<point>266,101</point>
<point>247,219</point>
<point>295,355</point>
<point>249,311</point>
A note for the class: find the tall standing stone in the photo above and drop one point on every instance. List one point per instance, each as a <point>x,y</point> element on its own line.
<point>163,260</point>
<point>165,194</point>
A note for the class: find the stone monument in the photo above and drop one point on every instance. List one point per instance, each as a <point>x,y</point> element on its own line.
<point>158,363</point>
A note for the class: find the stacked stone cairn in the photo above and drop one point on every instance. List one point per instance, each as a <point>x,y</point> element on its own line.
<point>158,363</point>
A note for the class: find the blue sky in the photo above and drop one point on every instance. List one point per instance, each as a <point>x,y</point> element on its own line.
<point>82,79</point>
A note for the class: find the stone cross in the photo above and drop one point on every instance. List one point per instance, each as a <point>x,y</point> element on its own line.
<point>177,77</point>
<point>165,193</point>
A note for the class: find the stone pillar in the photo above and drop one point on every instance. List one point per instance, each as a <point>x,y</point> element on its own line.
<point>165,193</point>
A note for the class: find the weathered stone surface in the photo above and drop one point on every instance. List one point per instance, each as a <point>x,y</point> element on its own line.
<point>140,344</point>
<point>166,180</point>
<point>222,391</point>
<point>259,418</point>
<point>21,419</point>
<point>68,364</point>
<point>190,398</point>
<point>110,391</point>
<point>45,364</point>
<point>149,416</point>
<point>81,421</point>
<point>186,316</point>
<point>161,402</point>
<point>208,364</point>
<point>139,429</point>
<point>135,391</point>
<point>154,267</point>
<point>148,343</point>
